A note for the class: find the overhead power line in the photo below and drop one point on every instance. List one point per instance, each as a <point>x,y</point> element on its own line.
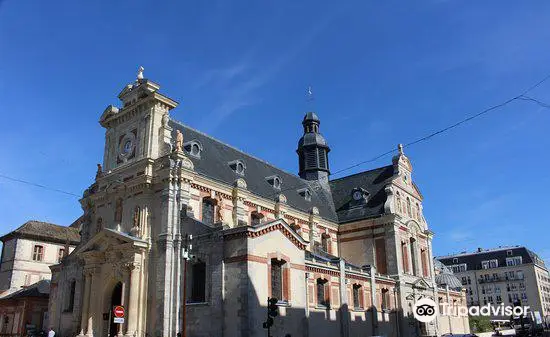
<point>37,185</point>
<point>521,96</point>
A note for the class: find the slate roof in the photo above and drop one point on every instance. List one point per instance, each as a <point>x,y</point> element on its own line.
<point>332,201</point>
<point>473,260</point>
<point>44,231</point>
<point>373,181</point>
<point>39,289</point>
<point>214,163</point>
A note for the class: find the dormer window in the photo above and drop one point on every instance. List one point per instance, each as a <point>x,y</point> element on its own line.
<point>275,181</point>
<point>193,148</point>
<point>305,193</point>
<point>237,166</point>
<point>359,195</point>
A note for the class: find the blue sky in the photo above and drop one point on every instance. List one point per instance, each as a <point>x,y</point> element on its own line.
<point>382,72</point>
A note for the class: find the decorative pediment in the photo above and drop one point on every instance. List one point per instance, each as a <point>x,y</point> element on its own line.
<point>265,228</point>
<point>108,239</point>
<point>421,284</point>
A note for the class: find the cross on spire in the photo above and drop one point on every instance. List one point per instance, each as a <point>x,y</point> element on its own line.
<point>309,94</point>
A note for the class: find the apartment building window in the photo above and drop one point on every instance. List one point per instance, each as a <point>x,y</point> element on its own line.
<point>60,254</point>
<point>510,298</point>
<point>513,261</point>
<point>524,296</point>
<point>357,296</point>
<point>489,264</point>
<point>322,293</point>
<point>38,253</point>
<point>490,299</point>
<point>499,299</point>
<point>519,275</point>
<point>464,280</point>
<point>459,268</point>
<point>469,280</point>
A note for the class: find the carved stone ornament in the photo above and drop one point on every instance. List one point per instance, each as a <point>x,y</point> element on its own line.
<point>187,163</point>
<point>99,172</point>
<point>314,211</point>
<point>281,198</point>
<point>241,183</point>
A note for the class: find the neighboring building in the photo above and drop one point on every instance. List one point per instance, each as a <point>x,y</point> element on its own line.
<point>506,275</point>
<point>450,292</point>
<point>27,254</point>
<point>29,251</point>
<point>345,257</point>
<point>25,311</point>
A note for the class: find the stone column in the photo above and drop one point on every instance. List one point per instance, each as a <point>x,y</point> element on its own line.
<point>344,305</point>
<point>92,301</point>
<point>133,301</point>
<point>85,302</point>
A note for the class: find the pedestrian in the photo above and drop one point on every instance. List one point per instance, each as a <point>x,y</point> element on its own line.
<point>51,333</point>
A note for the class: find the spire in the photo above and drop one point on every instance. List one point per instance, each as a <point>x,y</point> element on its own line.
<point>313,149</point>
<point>400,149</point>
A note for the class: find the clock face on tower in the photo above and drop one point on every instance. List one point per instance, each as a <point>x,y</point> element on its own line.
<point>126,147</point>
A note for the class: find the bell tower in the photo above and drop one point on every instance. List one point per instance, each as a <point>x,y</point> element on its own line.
<point>313,150</point>
<point>139,129</point>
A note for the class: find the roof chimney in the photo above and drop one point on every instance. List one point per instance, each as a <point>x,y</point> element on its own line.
<point>479,250</point>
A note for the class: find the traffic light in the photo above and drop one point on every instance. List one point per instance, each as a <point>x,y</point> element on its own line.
<point>269,323</point>
<point>272,308</point>
<point>272,311</point>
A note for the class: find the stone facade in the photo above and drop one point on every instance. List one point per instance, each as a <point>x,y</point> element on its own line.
<point>344,257</point>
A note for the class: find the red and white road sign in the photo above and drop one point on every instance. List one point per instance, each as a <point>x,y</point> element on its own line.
<point>118,311</point>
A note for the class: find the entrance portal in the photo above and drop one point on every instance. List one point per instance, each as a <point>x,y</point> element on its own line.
<point>116,299</point>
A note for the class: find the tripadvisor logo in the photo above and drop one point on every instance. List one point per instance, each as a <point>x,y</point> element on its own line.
<point>425,310</point>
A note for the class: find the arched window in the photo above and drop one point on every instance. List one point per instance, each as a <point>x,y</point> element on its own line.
<point>208,210</point>
<point>357,296</point>
<point>405,257</point>
<point>417,212</point>
<point>198,282</point>
<point>322,293</point>
<point>326,243</point>
<point>409,213</point>
<point>118,211</point>
<point>99,225</point>
<point>413,256</point>
<point>398,203</point>
<point>69,296</point>
<point>385,303</point>
<point>256,218</point>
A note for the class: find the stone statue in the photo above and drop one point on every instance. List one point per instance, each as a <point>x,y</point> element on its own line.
<point>140,73</point>
<point>118,211</point>
<point>99,172</point>
<point>179,141</point>
<point>136,228</point>
<point>219,210</point>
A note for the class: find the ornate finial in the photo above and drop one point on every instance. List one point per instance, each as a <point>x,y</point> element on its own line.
<point>140,73</point>
<point>309,94</point>
<point>400,149</point>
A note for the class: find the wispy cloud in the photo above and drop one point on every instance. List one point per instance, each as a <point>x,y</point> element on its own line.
<point>242,79</point>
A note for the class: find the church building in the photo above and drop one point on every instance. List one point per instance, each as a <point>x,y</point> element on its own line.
<point>191,236</point>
